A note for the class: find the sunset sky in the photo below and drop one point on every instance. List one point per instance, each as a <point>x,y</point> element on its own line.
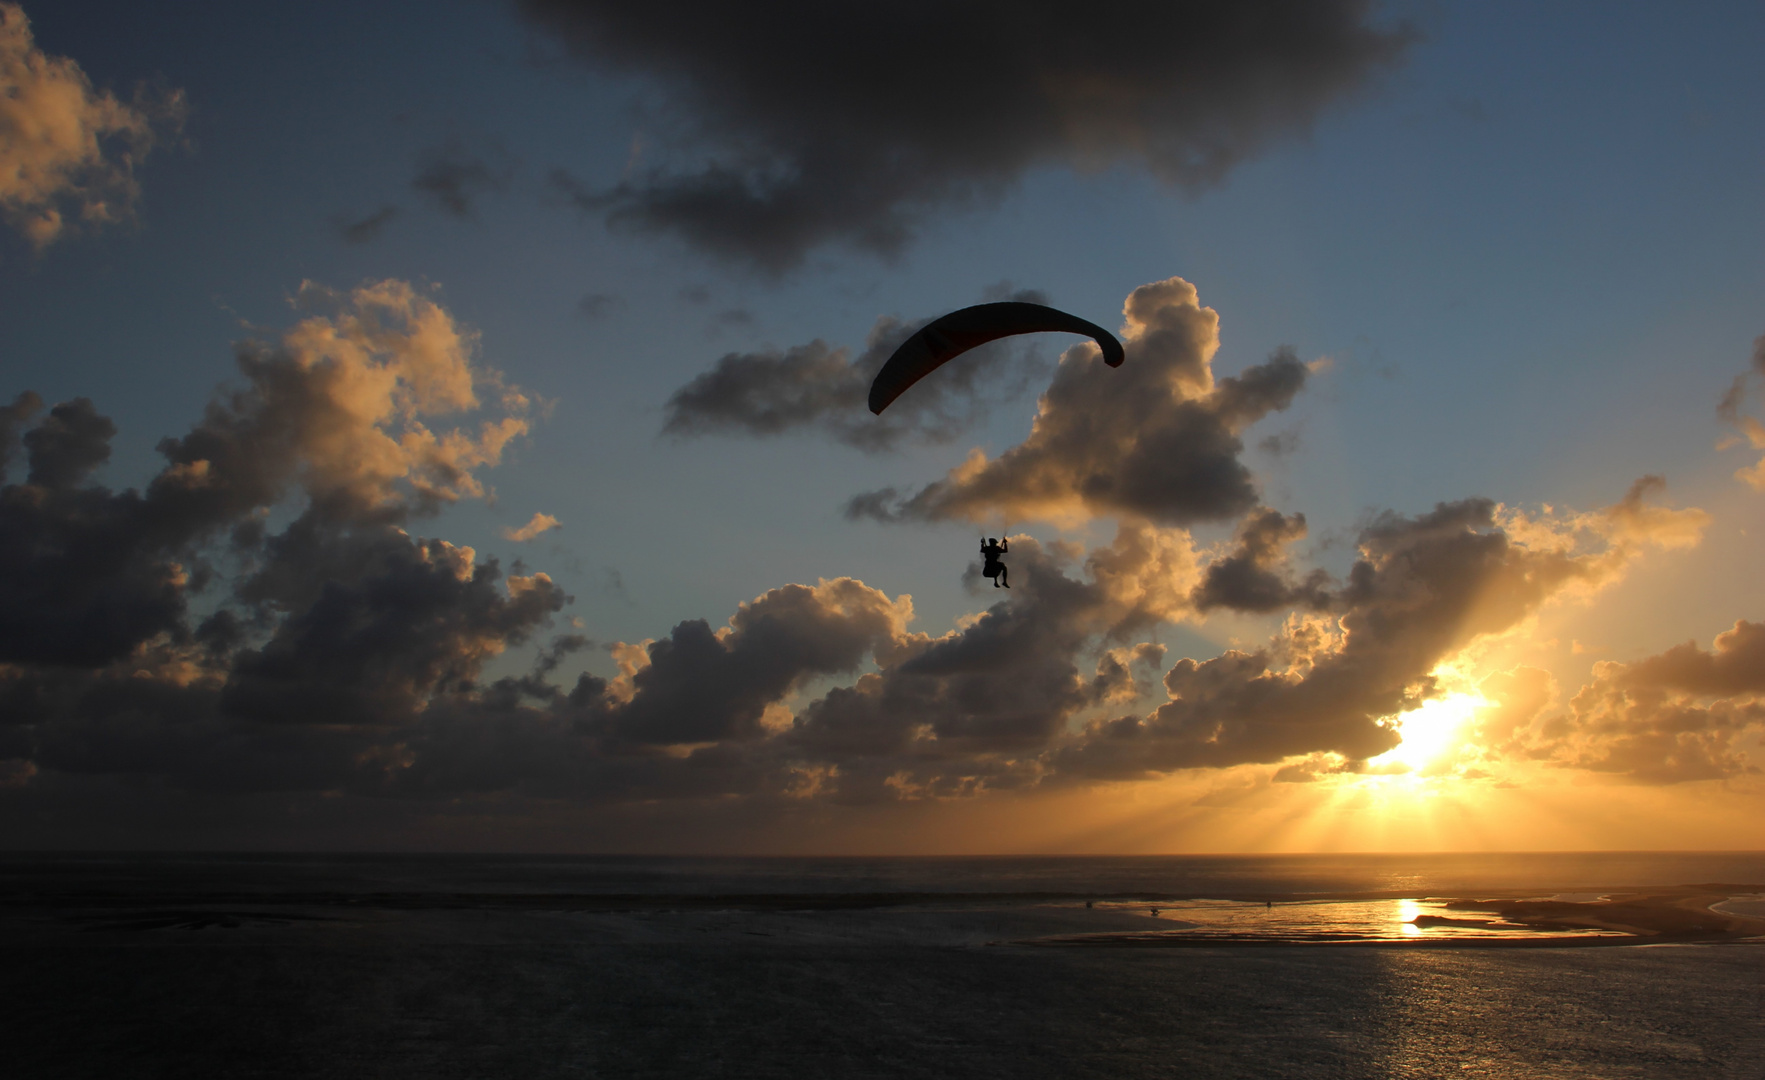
<point>441,426</point>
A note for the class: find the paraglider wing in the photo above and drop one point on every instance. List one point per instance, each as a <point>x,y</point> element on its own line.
<point>944,339</point>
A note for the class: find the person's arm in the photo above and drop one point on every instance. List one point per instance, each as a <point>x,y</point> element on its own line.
<point>1004,546</point>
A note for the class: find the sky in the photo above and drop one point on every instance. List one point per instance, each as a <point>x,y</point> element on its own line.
<point>441,427</point>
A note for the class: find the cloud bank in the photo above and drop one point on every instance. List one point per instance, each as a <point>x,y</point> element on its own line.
<point>792,125</point>
<point>261,619</point>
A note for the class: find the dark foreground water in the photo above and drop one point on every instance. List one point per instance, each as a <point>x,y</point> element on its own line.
<point>252,966</point>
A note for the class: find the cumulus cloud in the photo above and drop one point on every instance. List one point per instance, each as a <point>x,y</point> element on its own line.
<point>796,125</point>
<point>1423,589</point>
<point>340,411</point>
<point>68,151</point>
<point>1252,576</point>
<point>262,617</point>
<point>1683,715</point>
<point>395,621</point>
<point>976,708</point>
<point>700,685</point>
<point>1157,438</point>
<point>822,387</point>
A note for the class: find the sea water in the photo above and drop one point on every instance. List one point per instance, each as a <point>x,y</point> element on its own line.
<point>535,967</point>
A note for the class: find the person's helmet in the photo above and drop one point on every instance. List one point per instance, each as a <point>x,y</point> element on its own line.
<point>990,540</point>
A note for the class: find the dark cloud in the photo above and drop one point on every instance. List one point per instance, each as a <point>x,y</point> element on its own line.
<point>821,387</point>
<point>1157,438</point>
<point>976,708</point>
<point>262,618</point>
<point>68,445</point>
<point>455,176</point>
<point>391,622</point>
<point>803,124</point>
<point>702,686</point>
<point>1253,576</point>
<point>13,418</point>
<point>338,619</point>
<point>364,229</point>
<point>85,576</point>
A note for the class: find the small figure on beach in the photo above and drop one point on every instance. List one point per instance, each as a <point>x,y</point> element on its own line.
<point>991,567</point>
<point>1155,913</point>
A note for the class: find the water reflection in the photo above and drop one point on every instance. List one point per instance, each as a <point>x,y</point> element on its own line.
<point>1408,919</point>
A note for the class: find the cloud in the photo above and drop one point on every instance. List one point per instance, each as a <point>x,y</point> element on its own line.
<point>455,176</point>
<point>1157,438</point>
<point>13,417</point>
<point>976,708</point>
<point>821,387</point>
<point>1252,578</point>
<point>537,524</point>
<point>1683,715</point>
<point>263,617</point>
<point>1424,589</point>
<point>700,685</point>
<point>801,125</point>
<point>169,632</point>
<point>363,230</point>
<point>67,152</point>
<point>340,411</point>
<point>1728,410</point>
<point>395,621</point>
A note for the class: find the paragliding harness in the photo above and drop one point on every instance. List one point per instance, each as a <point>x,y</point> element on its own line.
<point>991,566</point>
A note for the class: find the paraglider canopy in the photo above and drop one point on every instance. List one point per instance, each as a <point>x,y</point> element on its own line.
<point>944,339</point>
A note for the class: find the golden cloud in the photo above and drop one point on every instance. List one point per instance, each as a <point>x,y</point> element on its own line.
<point>66,150</point>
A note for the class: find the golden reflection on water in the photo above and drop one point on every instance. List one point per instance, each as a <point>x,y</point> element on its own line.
<point>1407,910</point>
<point>1364,920</point>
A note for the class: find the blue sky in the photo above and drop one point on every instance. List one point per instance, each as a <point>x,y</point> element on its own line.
<point>1530,253</point>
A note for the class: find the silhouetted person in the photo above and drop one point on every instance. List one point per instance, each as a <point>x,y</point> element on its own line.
<point>992,567</point>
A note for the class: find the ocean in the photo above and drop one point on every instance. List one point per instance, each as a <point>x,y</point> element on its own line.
<point>244,965</point>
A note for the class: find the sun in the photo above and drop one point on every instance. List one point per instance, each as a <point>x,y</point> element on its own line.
<point>1430,733</point>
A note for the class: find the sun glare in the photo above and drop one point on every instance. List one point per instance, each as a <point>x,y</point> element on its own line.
<point>1429,733</point>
